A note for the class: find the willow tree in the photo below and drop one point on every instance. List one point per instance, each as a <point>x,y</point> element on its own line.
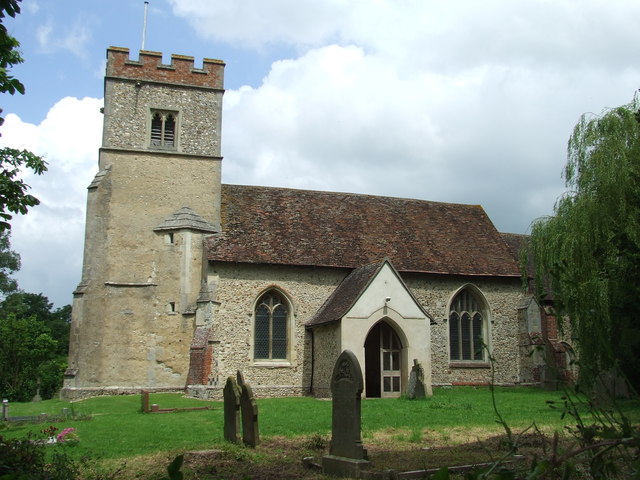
<point>587,255</point>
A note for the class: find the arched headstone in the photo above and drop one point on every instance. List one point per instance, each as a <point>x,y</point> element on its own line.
<point>231,394</point>
<point>249,413</point>
<point>346,456</point>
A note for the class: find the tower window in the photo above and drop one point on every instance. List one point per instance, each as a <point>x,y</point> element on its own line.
<point>163,129</point>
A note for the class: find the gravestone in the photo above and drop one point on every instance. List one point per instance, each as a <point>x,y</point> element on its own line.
<point>249,412</point>
<point>416,381</point>
<point>145,401</point>
<point>37,397</point>
<point>608,385</point>
<point>5,410</point>
<point>346,456</point>
<point>231,394</point>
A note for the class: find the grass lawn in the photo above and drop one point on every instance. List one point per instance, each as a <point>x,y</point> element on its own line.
<point>118,430</point>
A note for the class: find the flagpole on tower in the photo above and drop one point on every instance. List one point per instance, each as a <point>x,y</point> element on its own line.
<point>144,24</point>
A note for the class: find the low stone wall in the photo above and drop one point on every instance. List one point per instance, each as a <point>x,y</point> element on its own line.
<point>205,392</point>
<point>75,394</point>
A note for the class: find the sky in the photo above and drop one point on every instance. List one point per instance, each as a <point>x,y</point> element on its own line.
<point>454,101</point>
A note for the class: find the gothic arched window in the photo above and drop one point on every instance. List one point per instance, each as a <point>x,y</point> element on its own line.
<point>467,327</point>
<point>271,327</point>
<point>163,129</point>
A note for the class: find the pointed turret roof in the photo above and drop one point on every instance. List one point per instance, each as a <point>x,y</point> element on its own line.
<point>186,219</point>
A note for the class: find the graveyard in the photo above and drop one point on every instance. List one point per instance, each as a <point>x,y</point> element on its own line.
<point>455,426</point>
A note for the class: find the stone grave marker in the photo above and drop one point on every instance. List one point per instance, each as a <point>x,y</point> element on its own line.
<point>5,410</point>
<point>144,398</point>
<point>249,412</point>
<point>231,394</point>
<point>416,389</point>
<point>346,456</point>
<point>37,397</point>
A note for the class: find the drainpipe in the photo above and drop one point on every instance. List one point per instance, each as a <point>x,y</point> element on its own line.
<point>313,357</point>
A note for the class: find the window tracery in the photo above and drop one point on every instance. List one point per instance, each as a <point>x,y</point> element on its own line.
<point>271,327</point>
<point>467,328</point>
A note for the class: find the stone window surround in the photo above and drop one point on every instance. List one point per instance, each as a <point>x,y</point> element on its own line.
<point>176,136</point>
<point>486,326</point>
<point>267,362</point>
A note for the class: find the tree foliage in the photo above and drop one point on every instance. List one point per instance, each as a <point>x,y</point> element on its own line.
<point>13,189</point>
<point>9,264</point>
<point>587,255</point>
<point>33,346</point>
<point>9,53</point>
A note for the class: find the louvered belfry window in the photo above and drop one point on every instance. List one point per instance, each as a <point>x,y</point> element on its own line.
<point>163,129</point>
<point>466,328</point>
<point>271,322</point>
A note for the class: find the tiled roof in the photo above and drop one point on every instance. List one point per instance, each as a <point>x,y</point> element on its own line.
<point>345,295</point>
<point>516,242</point>
<point>186,218</point>
<point>311,228</point>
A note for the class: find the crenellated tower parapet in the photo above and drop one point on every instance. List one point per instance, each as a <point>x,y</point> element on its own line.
<point>154,107</point>
<point>149,67</point>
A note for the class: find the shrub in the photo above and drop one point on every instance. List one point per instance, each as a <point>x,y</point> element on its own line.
<point>26,459</point>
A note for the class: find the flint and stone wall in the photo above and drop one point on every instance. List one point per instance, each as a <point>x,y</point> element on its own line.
<point>238,288</point>
<point>502,297</point>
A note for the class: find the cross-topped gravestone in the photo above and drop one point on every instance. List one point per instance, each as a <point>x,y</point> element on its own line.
<point>346,456</point>
<point>231,394</point>
<point>416,381</point>
<point>249,412</point>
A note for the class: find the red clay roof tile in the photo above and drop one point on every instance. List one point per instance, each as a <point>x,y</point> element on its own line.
<point>312,228</point>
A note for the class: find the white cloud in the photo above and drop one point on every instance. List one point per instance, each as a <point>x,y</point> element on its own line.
<point>429,33</point>
<point>456,101</point>
<point>50,238</point>
<point>338,118</point>
<point>74,39</point>
<point>32,7</point>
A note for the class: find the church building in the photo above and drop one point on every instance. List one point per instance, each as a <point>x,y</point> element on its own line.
<point>187,280</point>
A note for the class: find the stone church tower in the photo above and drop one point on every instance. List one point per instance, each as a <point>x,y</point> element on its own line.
<point>154,199</point>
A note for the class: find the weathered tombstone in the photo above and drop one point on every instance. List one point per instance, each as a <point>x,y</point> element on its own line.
<point>37,397</point>
<point>5,410</point>
<point>416,381</point>
<point>346,456</point>
<point>145,401</point>
<point>231,395</point>
<point>249,412</point>
<point>608,385</point>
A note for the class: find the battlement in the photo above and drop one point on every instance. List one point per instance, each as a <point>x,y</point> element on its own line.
<point>180,71</point>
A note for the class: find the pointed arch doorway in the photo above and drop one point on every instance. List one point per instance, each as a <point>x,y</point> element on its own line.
<point>383,362</point>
